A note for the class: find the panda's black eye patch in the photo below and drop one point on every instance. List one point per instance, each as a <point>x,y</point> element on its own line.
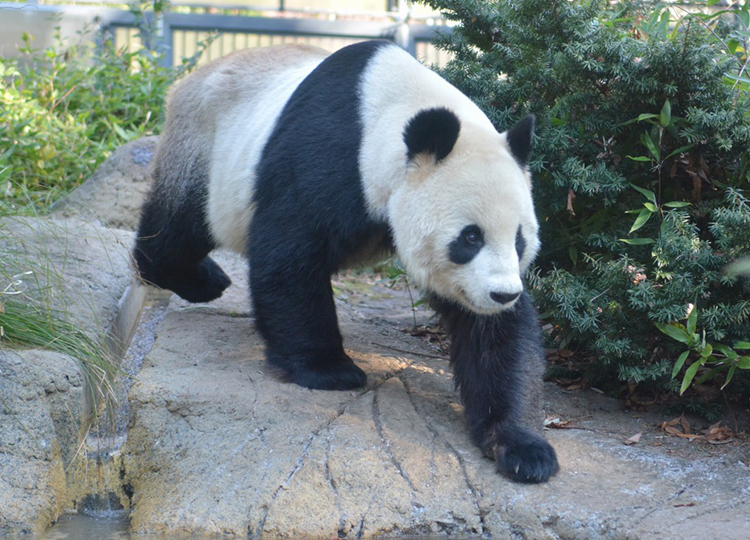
<point>520,244</point>
<point>466,246</point>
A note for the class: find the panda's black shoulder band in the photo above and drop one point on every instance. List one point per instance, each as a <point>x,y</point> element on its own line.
<point>432,131</point>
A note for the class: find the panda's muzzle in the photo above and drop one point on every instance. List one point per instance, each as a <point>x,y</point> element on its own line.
<point>504,298</point>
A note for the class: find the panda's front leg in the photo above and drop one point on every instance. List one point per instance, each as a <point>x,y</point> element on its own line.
<point>294,310</point>
<point>498,365</point>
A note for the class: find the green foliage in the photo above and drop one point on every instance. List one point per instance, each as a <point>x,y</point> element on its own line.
<point>718,357</point>
<point>730,28</point>
<point>64,109</point>
<point>640,163</point>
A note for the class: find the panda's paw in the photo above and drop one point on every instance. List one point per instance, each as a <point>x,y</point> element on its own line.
<point>206,283</point>
<point>528,459</point>
<point>341,375</point>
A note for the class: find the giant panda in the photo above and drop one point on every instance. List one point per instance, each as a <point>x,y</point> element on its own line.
<point>308,163</point>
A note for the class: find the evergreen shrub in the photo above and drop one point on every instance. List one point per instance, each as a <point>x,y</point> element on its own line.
<point>641,173</point>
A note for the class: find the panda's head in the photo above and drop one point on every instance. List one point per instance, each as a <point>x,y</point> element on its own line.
<point>463,222</point>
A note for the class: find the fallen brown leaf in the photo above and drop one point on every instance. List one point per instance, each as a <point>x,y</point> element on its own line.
<point>685,424</point>
<point>571,198</point>
<point>723,441</point>
<point>634,439</point>
<point>674,431</point>
<point>717,434</point>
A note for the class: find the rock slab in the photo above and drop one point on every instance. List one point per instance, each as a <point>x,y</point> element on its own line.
<point>115,192</point>
<point>218,445</point>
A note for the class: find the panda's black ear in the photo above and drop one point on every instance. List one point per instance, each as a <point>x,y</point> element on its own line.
<point>519,140</point>
<point>431,131</point>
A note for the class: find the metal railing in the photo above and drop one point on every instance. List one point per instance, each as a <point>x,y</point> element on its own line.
<point>178,35</point>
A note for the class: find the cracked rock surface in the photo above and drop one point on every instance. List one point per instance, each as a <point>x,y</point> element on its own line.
<point>217,445</point>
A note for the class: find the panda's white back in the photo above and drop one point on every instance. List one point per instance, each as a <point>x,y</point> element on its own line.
<point>238,100</point>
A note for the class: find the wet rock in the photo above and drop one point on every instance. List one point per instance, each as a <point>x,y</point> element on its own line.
<point>38,435</point>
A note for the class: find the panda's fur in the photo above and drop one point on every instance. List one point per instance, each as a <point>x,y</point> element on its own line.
<point>309,163</point>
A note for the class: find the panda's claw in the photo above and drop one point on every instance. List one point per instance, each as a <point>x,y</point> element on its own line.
<point>529,461</point>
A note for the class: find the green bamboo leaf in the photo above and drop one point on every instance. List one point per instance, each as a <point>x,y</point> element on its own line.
<point>665,117</point>
<point>664,23</point>
<point>646,116</point>
<point>692,320</point>
<point>737,78</point>
<point>573,253</point>
<point>742,345</point>
<point>675,331</point>
<point>641,220</point>
<point>743,362</point>
<point>628,122</point>
<point>730,374</point>
<point>650,195</point>
<point>707,352</point>
<point>744,16</point>
<point>689,376</point>
<point>726,351</point>
<point>639,158</point>
<point>680,150</point>
<point>680,362</point>
<point>649,143</point>
<point>638,241</point>
<point>676,204</point>
<point>651,207</point>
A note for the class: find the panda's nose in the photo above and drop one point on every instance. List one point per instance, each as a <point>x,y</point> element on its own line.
<point>504,298</point>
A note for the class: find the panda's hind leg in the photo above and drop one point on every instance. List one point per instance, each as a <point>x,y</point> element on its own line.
<point>172,248</point>
<point>297,319</point>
